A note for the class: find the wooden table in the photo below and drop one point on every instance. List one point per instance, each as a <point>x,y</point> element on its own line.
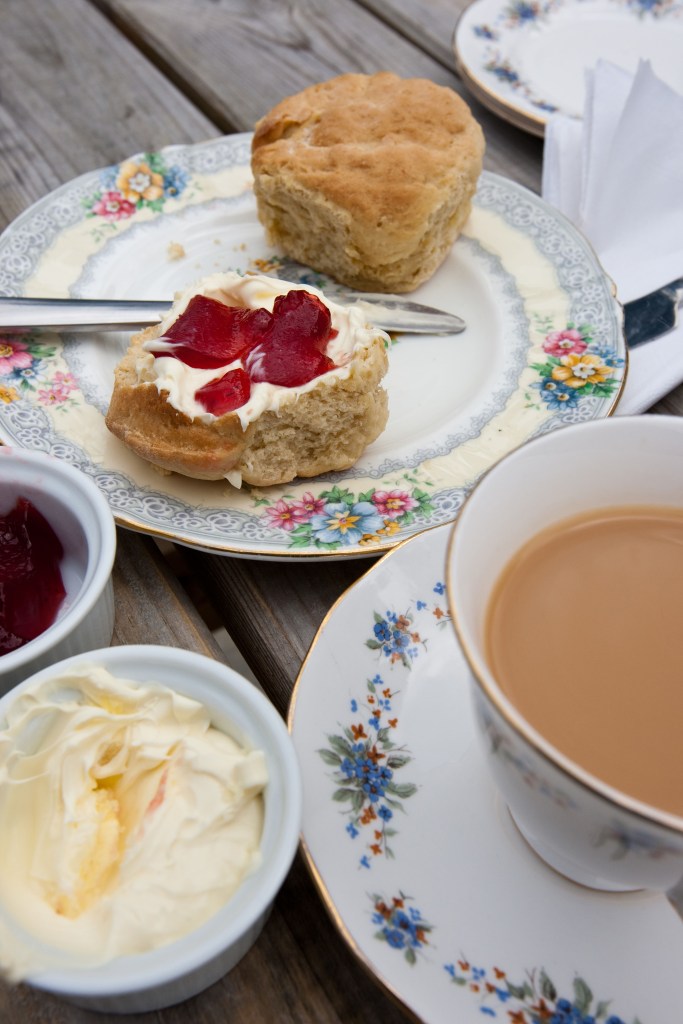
<point>83,85</point>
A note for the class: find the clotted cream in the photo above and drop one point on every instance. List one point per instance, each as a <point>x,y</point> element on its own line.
<point>126,820</point>
<point>180,382</point>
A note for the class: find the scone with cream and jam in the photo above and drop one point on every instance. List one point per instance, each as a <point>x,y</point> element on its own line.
<point>368,178</point>
<point>252,379</point>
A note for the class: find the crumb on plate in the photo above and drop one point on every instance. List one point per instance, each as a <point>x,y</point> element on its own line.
<point>176,251</point>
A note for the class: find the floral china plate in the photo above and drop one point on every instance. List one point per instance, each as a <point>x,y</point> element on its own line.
<point>414,853</point>
<point>543,347</point>
<point>526,59</point>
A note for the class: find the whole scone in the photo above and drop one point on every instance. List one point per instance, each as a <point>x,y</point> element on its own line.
<point>278,432</point>
<point>367,178</point>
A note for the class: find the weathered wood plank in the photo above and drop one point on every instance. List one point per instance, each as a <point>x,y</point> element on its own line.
<point>430,26</point>
<point>75,95</point>
<point>239,58</point>
<point>151,606</point>
<point>244,57</point>
<point>273,609</point>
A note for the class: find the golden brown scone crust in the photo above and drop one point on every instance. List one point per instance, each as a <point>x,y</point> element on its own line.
<point>325,429</point>
<point>368,178</point>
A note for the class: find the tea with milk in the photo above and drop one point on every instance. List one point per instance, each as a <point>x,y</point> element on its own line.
<point>585,638</point>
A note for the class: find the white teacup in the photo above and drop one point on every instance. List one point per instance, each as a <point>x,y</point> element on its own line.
<point>584,828</point>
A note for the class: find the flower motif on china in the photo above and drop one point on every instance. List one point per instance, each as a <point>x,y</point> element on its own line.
<point>655,8</point>
<point>343,525</point>
<point>524,16</point>
<point>570,341</point>
<point>533,776</point>
<point>502,70</point>
<point>138,181</point>
<point>14,355</point>
<point>365,755</point>
<point>401,925</point>
<point>573,368</point>
<point>365,760</point>
<point>523,12</point>
<point>27,365</point>
<point>336,518</point>
<point>395,638</point>
<point>484,32</point>
<point>58,390</point>
<point>394,635</point>
<point>8,394</point>
<point>145,182</point>
<point>112,206</point>
<point>535,1000</point>
<point>626,839</point>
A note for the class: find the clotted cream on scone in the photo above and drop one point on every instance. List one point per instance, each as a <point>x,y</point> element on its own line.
<point>252,379</point>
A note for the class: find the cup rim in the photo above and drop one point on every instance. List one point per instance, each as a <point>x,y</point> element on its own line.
<point>484,678</point>
<point>101,554</point>
<point>154,968</point>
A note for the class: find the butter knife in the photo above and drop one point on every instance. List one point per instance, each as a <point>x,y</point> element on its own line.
<point>654,314</point>
<point>20,315</point>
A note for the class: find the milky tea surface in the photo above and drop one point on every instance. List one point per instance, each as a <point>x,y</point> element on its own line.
<point>585,637</point>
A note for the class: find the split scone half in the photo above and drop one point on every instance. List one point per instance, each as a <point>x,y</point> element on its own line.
<point>254,380</point>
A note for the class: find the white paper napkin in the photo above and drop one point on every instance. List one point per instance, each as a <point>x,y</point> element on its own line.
<point>618,175</point>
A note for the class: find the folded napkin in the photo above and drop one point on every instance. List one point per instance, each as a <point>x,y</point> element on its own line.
<point>617,174</point>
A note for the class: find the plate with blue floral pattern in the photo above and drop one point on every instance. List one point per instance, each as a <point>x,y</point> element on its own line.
<point>415,855</point>
<point>543,347</point>
<point>526,59</point>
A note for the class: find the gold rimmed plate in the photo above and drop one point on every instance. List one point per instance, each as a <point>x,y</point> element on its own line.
<point>526,59</point>
<point>543,347</point>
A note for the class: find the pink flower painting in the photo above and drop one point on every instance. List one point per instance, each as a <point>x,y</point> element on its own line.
<point>14,355</point>
<point>112,206</point>
<point>566,342</point>
<point>391,504</point>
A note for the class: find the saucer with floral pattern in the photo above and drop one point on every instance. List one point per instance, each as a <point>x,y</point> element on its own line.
<point>526,59</point>
<point>416,856</point>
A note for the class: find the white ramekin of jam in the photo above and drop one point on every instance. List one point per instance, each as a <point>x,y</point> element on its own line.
<point>57,546</point>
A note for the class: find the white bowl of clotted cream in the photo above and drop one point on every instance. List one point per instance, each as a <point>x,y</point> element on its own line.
<point>155,801</point>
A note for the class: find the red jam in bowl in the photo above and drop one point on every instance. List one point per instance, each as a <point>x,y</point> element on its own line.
<point>285,347</point>
<point>31,585</point>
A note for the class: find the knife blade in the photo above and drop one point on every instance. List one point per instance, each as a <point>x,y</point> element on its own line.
<point>654,314</point>
<point>17,315</point>
<point>645,318</point>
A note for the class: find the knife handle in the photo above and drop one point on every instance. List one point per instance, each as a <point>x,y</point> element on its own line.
<point>40,316</point>
<point>653,314</point>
